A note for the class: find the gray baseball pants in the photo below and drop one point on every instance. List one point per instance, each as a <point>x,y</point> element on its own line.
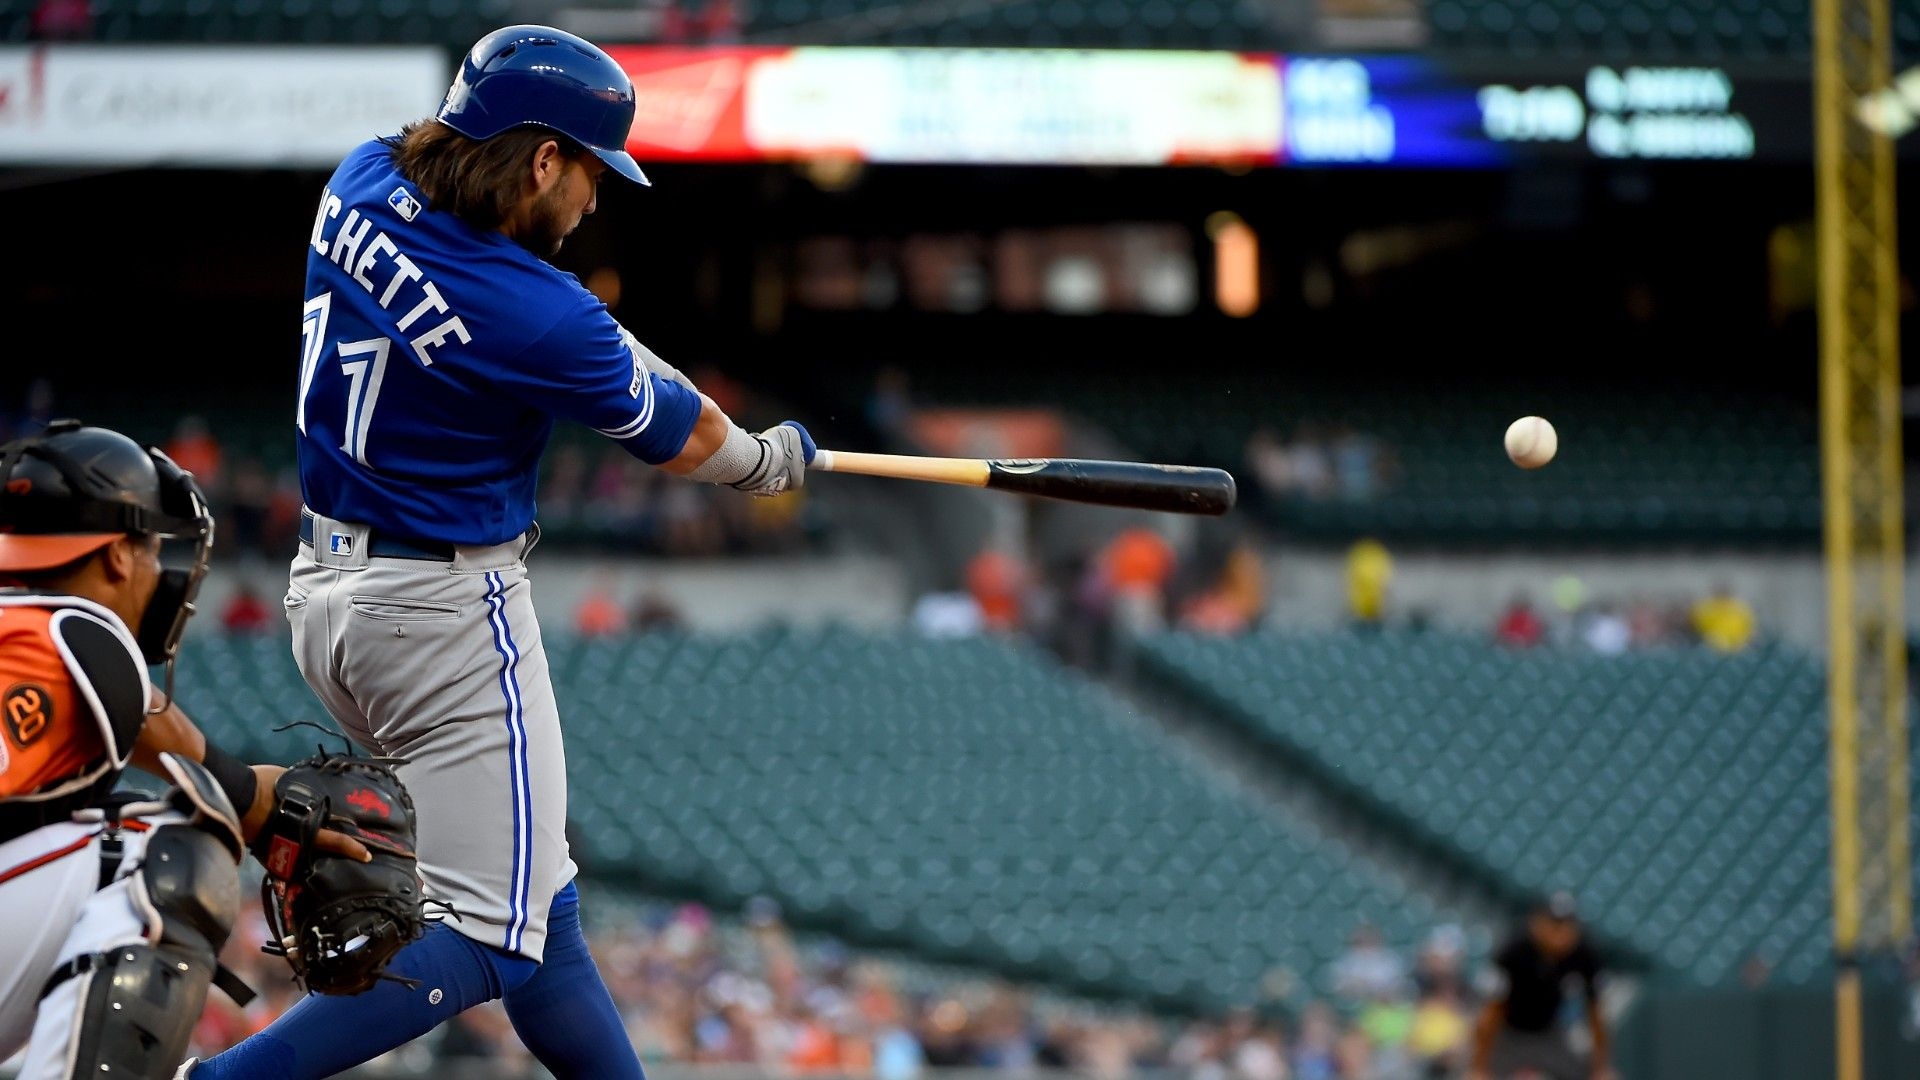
<point>440,663</point>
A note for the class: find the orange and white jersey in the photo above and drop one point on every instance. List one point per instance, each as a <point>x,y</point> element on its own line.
<point>73,696</point>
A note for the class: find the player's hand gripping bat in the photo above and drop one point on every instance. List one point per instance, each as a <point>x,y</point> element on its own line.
<point>1179,489</point>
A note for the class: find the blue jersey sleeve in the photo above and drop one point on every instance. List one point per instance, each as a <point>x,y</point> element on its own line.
<point>584,370</point>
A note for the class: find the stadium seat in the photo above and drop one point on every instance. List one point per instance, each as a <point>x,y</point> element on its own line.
<point>968,800</point>
<point>1682,794</point>
<point>873,787</point>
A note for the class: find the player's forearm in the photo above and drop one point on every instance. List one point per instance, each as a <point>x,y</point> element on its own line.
<point>719,451</point>
<point>253,818</point>
<point>709,432</point>
<point>1597,1024</point>
<point>171,731</point>
<point>168,731</point>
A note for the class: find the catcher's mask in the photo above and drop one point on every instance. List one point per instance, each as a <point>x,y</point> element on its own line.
<point>71,490</point>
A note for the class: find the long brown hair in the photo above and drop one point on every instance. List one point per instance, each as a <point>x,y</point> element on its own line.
<point>478,180</point>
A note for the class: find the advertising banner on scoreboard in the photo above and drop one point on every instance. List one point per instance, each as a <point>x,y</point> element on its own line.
<point>279,106</point>
<point>1119,107</point>
<point>1001,106</point>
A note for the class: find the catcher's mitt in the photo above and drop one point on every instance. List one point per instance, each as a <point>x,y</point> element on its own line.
<point>338,922</point>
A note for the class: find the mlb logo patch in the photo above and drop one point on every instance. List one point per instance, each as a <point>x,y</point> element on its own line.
<point>340,543</point>
<point>404,203</point>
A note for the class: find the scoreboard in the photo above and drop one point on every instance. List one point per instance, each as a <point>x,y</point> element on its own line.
<point>1410,110</point>
<point>1120,107</point>
<point>172,105</point>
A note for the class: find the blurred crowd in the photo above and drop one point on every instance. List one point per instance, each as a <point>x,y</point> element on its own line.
<point>745,991</point>
<point>1322,462</point>
<point>1135,581</point>
<point>1720,621</point>
<point>1139,581</point>
<point>256,506</point>
<point>1572,615</point>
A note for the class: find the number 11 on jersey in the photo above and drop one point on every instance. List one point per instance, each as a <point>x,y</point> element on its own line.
<point>364,376</point>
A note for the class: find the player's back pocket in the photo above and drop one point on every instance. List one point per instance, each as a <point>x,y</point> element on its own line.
<point>401,609</point>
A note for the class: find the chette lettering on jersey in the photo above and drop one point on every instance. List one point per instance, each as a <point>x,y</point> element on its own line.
<point>372,259</point>
<point>436,356</point>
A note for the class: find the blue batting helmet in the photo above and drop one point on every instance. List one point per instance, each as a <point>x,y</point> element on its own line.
<point>539,75</point>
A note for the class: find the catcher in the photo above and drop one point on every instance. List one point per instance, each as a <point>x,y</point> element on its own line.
<point>116,905</point>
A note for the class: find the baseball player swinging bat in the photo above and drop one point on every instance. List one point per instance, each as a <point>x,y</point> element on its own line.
<point>1177,489</point>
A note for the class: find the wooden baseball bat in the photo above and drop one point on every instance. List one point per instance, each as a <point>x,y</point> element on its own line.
<point>1178,489</point>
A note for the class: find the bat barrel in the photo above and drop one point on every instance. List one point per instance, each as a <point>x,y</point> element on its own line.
<point>1178,489</point>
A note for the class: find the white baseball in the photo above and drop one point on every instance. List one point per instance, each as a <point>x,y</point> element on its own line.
<point>1531,442</point>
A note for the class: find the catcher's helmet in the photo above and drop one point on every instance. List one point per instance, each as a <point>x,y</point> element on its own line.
<point>530,74</point>
<point>72,489</point>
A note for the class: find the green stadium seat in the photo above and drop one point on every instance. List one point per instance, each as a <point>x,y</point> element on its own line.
<point>1682,794</point>
<point>876,790</point>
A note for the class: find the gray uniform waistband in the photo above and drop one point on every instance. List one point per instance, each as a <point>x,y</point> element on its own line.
<point>348,545</point>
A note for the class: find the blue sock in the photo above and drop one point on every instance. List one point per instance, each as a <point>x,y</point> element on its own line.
<point>324,1034</point>
<point>564,1013</point>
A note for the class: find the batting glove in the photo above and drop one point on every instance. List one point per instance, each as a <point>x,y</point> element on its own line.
<point>783,466</point>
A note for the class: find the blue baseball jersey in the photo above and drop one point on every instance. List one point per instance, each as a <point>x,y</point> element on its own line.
<point>435,358</point>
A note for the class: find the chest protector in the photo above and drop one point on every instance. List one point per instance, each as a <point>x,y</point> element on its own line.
<point>73,696</point>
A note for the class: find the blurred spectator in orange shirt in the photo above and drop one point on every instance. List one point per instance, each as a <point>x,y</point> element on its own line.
<point>598,614</point>
<point>1235,601</point>
<point>997,582</point>
<point>194,448</point>
<point>1136,566</point>
<point>814,1048</point>
<point>1139,560</point>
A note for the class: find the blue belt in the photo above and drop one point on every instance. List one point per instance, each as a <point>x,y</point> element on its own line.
<point>388,547</point>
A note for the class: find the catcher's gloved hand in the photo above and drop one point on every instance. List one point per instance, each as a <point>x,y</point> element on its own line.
<point>336,920</point>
